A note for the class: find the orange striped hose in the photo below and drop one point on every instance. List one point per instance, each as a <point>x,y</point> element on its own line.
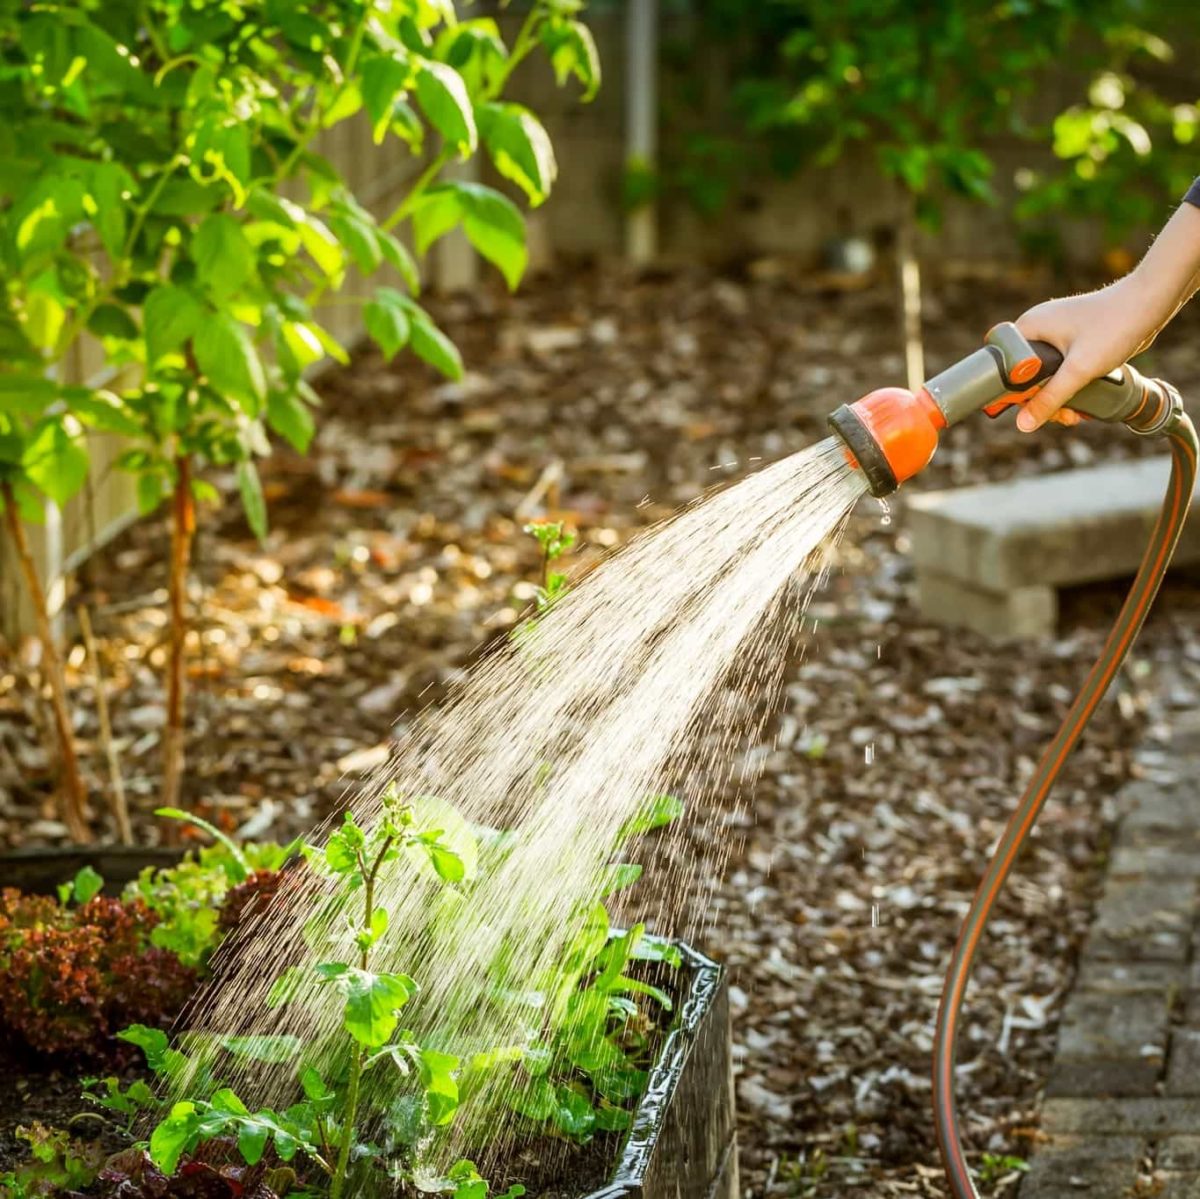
<point>1182,439</point>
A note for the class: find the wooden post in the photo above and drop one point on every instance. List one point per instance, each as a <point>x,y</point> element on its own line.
<point>641,122</point>
<point>909,269</point>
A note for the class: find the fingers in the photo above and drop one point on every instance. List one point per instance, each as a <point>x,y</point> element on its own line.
<point>1058,390</point>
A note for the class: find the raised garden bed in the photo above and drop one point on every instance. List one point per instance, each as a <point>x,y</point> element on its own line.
<point>682,1144</point>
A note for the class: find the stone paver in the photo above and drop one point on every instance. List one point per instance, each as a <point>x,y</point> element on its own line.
<point>990,557</point>
<point>1122,1102</point>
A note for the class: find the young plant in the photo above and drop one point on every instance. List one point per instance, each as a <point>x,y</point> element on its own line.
<point>555,540</point>
<point>162,193</point>
<point>324,1126</point>
<point>57,1164</point>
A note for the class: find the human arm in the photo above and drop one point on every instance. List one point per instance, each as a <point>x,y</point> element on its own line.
<point>1099,330</point>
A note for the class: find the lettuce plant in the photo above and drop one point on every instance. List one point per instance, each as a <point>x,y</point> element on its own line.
<point>72,974</point>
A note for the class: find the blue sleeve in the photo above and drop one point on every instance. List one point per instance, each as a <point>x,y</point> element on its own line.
<point>1193,194</point>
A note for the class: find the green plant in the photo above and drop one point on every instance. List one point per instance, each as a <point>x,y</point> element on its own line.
<point>57,1164</point>
<point>161,191</point>
<point>201,899</point>
<point>555,540</point>
<point>1129,145</point>
<point>994,1166</point>
<point>582,1058</point>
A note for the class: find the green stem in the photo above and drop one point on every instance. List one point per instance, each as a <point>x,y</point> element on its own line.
<point>425,178</point>
<point>369,874</point>
<point>338,1185</point>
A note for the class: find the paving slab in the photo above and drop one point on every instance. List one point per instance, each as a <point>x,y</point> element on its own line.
<point>1121,1108</point>
<point>1093,1167</point>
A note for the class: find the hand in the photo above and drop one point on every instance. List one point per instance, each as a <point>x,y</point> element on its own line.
<point>1096,332</point>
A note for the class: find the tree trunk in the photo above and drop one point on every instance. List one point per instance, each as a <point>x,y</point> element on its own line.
<point>909,271</point>
<point>183,527</point>
<point>74,795</point>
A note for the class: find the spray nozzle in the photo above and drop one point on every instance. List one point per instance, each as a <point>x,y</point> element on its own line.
<point>892,433</point>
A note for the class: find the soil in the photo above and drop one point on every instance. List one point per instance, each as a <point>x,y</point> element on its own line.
<point>50,1095</point>
<point>396,554</point>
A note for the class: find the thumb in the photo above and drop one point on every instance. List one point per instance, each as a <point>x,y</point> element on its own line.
<point>1059,389</point>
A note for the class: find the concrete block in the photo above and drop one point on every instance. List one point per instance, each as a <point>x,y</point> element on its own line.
<point>1178,1185</point>
<point>1163,861</point>
<point>1144,919</point>
<point>1073,526</point>
<point>990,557</point>
<point>1098,1167</point>
<point>1099,1025</point>
<point>999,615</point>
<point>1098,1078</point>
<point>1151,1117</point>
<point>1183,1063</point>
<point>1100,974</point>
<point>1179,1153</point>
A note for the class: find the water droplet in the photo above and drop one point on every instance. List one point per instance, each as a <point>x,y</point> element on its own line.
<point>874,915</point>
<point>869,753</point>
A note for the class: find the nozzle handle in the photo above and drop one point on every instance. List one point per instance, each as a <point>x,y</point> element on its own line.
<point>1051,357</point>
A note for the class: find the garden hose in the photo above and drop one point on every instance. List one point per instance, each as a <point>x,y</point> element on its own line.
<point>891,434</point>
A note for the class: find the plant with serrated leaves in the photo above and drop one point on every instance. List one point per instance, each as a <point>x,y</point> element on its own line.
<point>324,1126</point>
<point>161,190</point>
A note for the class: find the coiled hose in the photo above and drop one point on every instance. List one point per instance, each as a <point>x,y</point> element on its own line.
<point>1182,439</point>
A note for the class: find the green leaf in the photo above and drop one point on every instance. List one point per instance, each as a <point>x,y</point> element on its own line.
<point>56,458</point>
<point>383,77</point>
<point>520,147</point>
<point>447,863</point>
<point>656,811</point>
<point>238,868</point>
<point>432,345</point>
<point>226,354</point>
<point>291,418</point>
<point>396,254</point>
<point>111,320</point>
<point>387,321</point>
<point>617,878</point>
<point>223,255</point>
<point>85,885</point>
<point>441,1088</point>
<point>173,1136</point>
<point>153,1042</point>
<point>444,100</point>
<point>572,51</point>
<point>495,227</point>
<point>324,249</point>
<point>171,315</point>
<point>107,186</point>
<point>371,1000</point>
<point>252,498</point>
<point>358,233</point>
<point>252,1141</point>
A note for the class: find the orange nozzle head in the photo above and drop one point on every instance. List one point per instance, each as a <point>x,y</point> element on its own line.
<point>890,435</point>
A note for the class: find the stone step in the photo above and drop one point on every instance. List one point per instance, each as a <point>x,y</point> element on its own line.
<point>991,557</point>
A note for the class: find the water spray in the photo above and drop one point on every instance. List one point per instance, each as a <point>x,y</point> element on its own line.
<point>890,435</point>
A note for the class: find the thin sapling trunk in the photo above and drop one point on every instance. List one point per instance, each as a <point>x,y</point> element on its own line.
<point>183,528</point>
<point>73,792</point>
<point>909,271</point>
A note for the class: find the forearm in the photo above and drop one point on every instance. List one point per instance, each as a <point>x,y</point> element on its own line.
<point>1169,273</point>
